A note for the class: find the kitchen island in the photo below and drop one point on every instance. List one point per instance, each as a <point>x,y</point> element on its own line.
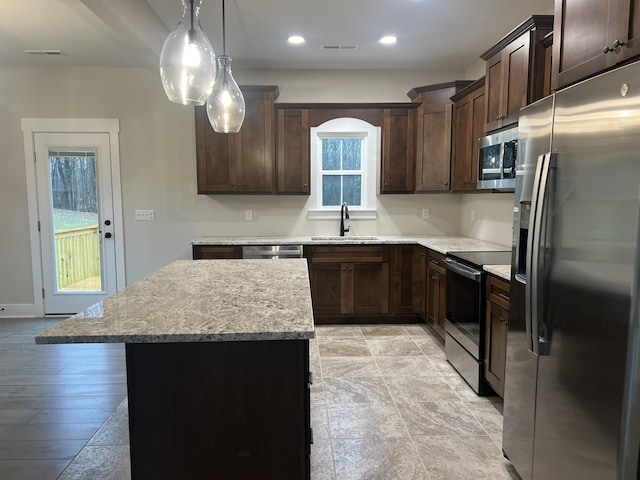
<point>217,367</point>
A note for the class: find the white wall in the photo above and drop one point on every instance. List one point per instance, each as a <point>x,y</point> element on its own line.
<point>493,216</point>
<point>157,155</point>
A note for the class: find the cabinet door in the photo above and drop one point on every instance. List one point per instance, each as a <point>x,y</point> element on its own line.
<point>369,285</point>
<point>436,297</point>
<point>398,151</point>
<point>293,151</point>
<point>628,29</point>
<point>420,274</point>
<point>515,83</point>
<point>215,153</point>
<point>255,145</point>
<point>493,93</point>
<point>477,131</point>
<point>441,313</point>
<point>327,287</point>
<point>583,32</point>
<point>495,346</point>
<point>402,280</point>
<point>461,154</point>
<point>433,137</point>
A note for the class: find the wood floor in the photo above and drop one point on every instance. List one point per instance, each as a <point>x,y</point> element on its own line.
<point>53,398</point>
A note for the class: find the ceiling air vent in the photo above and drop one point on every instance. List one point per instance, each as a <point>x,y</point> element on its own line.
<point>340,47</point>
<point>43,52</point>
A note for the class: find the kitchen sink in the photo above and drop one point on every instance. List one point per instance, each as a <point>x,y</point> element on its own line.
<point>346,237</point>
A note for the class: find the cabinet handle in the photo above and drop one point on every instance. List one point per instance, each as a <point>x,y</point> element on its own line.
<point>435,262</point>
<point>351,269</point>
<point>433,277</point>
<point>498,118</point>
<point>618,43</point>
<point>607,49</point>
<point>424,254</point>
<point>344,269</point>
<point>386,184</point>
<point>502,295</point>
<point>446,183</point>
<point>305,185</point>
<point>501,320</point>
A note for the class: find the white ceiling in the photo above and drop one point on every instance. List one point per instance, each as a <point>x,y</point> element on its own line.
<point>432,34</point>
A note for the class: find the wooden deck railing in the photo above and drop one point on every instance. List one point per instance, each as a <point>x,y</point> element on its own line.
<point>77,255</point>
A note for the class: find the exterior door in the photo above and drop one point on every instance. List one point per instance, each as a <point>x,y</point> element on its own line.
<point>76,221</point>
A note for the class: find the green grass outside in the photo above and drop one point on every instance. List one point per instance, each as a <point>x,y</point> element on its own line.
<point>63,219</point>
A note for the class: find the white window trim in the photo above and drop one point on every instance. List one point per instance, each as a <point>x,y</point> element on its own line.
<point>354,128</point>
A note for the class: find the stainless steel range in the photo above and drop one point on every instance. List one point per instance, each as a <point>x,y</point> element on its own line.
<point>465,313</point>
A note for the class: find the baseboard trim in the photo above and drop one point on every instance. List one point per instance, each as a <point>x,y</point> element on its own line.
<point>26,310</point>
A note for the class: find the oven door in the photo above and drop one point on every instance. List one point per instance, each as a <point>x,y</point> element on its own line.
<point>464,306</point>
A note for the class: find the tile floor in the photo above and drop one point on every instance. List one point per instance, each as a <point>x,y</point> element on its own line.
<point>385,405</point>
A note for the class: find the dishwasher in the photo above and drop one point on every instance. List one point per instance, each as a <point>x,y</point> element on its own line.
<point>271,252</point>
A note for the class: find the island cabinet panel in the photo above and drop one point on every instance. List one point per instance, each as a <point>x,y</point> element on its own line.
<point>348,281</point>
<point>240,162</point>
<point>497,321</point>
<point>436,290</point>
<point>213,252</point>
<point>434,118</point>
<point>398,151</point>
<point>515,72</point>
<point>243,406</point>
<point>591,36</point>
<point>468,127</point>
<point>293,151</point>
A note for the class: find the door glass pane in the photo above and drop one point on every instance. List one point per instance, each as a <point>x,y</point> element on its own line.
<point>74,199</point>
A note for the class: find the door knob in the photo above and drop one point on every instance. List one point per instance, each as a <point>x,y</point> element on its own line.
<point>618,43</point>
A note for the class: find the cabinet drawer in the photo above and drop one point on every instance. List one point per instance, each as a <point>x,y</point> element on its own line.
<point>212,252</point>
<point>498,292</point>
<point>347,254</point>
<point>435,260</point>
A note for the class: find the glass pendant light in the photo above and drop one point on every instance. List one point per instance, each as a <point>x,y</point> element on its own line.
<point>187,61</point>
<point>225,105</point>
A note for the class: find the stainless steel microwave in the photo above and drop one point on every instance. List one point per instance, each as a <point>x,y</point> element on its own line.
<point>497,160</point>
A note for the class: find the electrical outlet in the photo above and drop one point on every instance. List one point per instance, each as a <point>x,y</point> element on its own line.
<point>248,215</point>
<point>425,214</point>
<point>472,214</point>
<point>145,215</point>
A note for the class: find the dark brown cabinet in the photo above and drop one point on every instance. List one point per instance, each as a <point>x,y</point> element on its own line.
<point>436,289</point>
<point>515,72</point>
<point>468,127</point>
<point>398,151</point>
<point>293,151</point>
<point>214,252</point>
<point>591,36</point>
<point>240,162</point>
<point>404,288</point>
<point>433,134</point>
<point>349,280</point>
<point>497,321</point>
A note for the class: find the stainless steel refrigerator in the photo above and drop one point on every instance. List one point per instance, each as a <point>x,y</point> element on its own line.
<point>572,381</point>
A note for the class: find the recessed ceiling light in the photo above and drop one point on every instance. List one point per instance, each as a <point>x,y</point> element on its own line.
<point>388,40</point>
<point>295,39</point>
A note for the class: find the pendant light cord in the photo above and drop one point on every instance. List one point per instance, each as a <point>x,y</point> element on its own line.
<point>192,31</point>
<point>224,42</point>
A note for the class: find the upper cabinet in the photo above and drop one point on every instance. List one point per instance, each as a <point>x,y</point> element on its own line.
<point>468,126</point>
<point>293,151</point>
<point>398,150</point>
<point>515,72</point>
<point>433,134</point>
<point>240,162</point>
<point>591,36</point>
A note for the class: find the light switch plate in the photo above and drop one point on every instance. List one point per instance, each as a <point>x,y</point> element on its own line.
<point>248,215</point>
<point>425,214</point>
<point>145,215</point>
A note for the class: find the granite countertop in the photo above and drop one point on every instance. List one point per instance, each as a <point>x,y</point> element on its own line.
<point>195,301</point>
<point>502,271</point>
<point>443,244</point>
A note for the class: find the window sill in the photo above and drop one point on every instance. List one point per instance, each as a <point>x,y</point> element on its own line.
<point>335,214</point>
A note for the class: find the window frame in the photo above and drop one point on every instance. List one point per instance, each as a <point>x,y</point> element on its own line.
<point>370,136</point>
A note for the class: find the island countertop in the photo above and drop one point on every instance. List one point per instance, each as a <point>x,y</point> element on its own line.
<point>192,301</point>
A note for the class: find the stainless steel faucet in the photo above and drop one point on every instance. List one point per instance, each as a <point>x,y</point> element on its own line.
<point>344,214</point>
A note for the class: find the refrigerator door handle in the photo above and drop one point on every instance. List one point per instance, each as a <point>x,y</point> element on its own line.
<point>538,343</point>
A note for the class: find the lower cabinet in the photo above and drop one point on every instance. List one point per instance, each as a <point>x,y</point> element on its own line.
<point>497,321</point>
<point>435,291</point>
<point>216,252</point>
<point>349,280</point>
